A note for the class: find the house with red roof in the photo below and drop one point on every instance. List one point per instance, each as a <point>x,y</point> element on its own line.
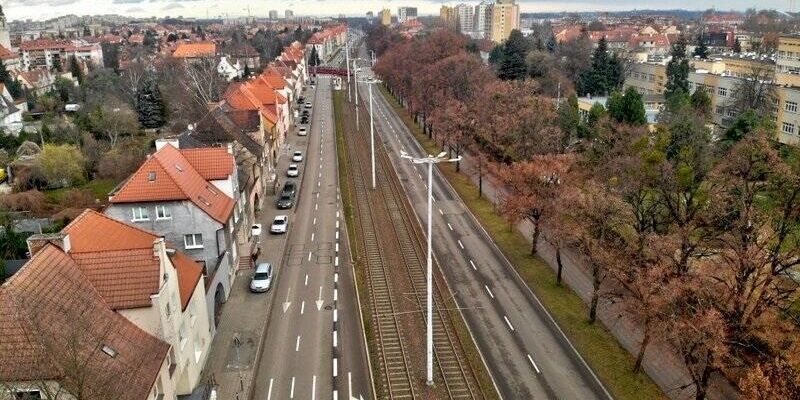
<point>193,51</point>
<point>191,198</point>
<point>116,299</point>
<point>327,40</point>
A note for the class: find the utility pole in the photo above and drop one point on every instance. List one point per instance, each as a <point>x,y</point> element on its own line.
<point>370,81</point>
<point>347,63</point>
<point>430,160</point>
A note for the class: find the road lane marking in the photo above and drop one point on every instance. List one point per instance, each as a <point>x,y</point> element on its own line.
<point>319,299</point>
<point>473,265</point>
<point>335,294</point>
<point>336,261</point>
<point>291,392</point>
<point>287,303</point>
<point>335,277</point>
<point>309,256</point>
<point>269,391</point>
<point>337,247</point>
<point>316,206</point>
<point>335,367</point>
<point>297,344</point>
<point>335,315</point>
<point>306,284</point>
<point>440,211</point>
<point>337,221</point>
<point>314,387</point>
<point>335,341</point>
<point>312,236</point>
<point>302,307</point>
<point>489,290</point>
<point>315,218</point>
<point>534,364</point>
<point>460,244</point>
<point>509,323</point>
<point>450,226</point>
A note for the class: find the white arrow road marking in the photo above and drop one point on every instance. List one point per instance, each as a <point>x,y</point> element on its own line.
<point>319,302</point>
<point>287,303</point>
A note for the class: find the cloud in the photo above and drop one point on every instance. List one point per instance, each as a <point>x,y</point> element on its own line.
<point>126,1</point>
<point>134,10</point>
<point>172,6</point>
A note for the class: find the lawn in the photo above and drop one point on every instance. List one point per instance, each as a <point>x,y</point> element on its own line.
<point>99,188</point>
<point>610,361</point>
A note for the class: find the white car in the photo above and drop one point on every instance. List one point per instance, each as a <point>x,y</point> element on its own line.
<point>297,156</point>
<point>255,230</point>
<point>308,104</point>
<point>302,131</point>
<point>279,224</point>
<point>292,171</point>
<point>262,279</point>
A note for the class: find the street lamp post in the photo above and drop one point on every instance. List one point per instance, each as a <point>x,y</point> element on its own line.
<point>430,160</point>
<point>347,63</point>
<point>371,81</point>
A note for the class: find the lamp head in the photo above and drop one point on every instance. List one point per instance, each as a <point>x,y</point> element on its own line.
<point>442,154</point>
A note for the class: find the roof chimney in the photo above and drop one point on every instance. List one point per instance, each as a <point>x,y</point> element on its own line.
<point>38,241</point>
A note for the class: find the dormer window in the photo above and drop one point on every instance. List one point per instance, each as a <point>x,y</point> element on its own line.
<point>151,176</point>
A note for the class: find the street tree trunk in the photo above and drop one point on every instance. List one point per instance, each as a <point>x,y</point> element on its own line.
<point>535,238</point>
<point>560,265</point>
<point>595,293</point>
<point>643,347</point>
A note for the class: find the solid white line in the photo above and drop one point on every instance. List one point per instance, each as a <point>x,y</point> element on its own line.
<point>509,323</point>
<point>534,364</point>
<point>473,265</point>
<point>314,387</point>
<point>450,226</point>
<point>306,284</point>
<point>269,391</point>
<point>460,244</point>
<point>297,344</point>
<point>291,392</point>
<point>489,290</point>
<point>302,307</point>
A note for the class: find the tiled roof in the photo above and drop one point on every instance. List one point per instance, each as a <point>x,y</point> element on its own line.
<point>6,54</point>
<point>189,273</point>
<point>192,50</point>
<point>174,178</point>
<point>213,163</point>
<point>51,316</point>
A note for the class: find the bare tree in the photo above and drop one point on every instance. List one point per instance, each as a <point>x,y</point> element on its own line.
<point>202,81</point>
<point>755,91</point>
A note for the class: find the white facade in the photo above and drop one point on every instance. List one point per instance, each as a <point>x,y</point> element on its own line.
<point>483,19</point>
<point>406,13</point>
<point>228,70</point>
<point>465,16</point>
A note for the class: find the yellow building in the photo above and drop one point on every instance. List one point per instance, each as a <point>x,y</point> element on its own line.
<point>646,78</point>
<point>505,18</point>
<point>787,70</point>
<point>386,17</point>
<point>447,15</point>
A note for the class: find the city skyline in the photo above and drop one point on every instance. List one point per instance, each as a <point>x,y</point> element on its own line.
<point>46,9</point>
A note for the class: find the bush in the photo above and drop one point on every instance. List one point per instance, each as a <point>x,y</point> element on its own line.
<point>31,200</point>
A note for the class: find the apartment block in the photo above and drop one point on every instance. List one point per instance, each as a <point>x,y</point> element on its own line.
<point>505,18</point>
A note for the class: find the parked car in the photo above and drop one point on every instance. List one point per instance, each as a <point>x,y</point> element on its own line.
<point>308,105</point>
<point>304,119</point>
<point>262,279</point>
<point>302,131</point>
<point>255,230</point>
<point>301,100</point>
<point>292,171</point>
<point>305,113</point>
<point>297,156</point>
<point>286,197</point>
<point>279,224</point>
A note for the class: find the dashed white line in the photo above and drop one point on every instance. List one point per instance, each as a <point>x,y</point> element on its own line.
<point>335,339</point>
<point>489,290</point>
<point>509,323</point>
<point>335,367</point>
<point>306,284</point>
<point>335,277</point>
<point>302,307</point>
<point>269,390</point>
<point>473,265</point>
<point>309,256</point>
<point>291,391</point>
<point>534,364</point>
<point>315,219</point>
<point>312,236</point>
<point>297,344</point>
<point>314,387</point>
<point>335,294</point>
<point>316,206</point>
<point>440,211</point>
<point>450,226</point>
<point>460,244</point>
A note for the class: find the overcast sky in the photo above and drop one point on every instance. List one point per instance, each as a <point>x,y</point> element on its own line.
<point>44,9</point>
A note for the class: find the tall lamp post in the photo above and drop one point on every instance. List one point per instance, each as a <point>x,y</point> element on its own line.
<point>347,63</point>
<point>430,160</point>
<point>371,81</point>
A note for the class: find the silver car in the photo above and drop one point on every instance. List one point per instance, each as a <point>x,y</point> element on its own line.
<point>279,224</point>
<point>262,279</point>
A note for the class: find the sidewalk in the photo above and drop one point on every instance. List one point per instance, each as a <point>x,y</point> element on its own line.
<point>660,362</point>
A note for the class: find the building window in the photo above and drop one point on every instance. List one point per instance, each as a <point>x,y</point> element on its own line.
<point>722,91</point>
<point>168,309</point>
<point>790,106</point>
<point>787,128</point>
<point>720,110</point>
<point>162,212</point>
<point>193,241</point>
<point>140,214</point>
<point>27,395</point>
<point>182,338</point>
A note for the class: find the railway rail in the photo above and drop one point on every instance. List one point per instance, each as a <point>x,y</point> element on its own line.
<point>397,379</point>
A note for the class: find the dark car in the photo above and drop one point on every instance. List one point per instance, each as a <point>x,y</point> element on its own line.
<point>301,100</point>
<point>286,197</point>
<point>305,113</point>
<point>304,120</point>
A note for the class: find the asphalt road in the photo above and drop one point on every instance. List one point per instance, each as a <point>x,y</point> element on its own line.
<point>526,352</point>
<point>314,293</point>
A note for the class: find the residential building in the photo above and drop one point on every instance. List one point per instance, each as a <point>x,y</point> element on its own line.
<point>38,81</point>
<point>329,39</point>
<point>646,78</point>
<point>11,60</point>
<point>190,197</point>
<point>158,289</point>
<point>505,18</point>
<point>653,103</point>
<point>288,14</point>
<point>370,16</point>
<point>447,15</point>
<point>406,13</point>
<point>195,51</point>
<point>48,53</point>
<point>10,112</point>
<point>54,318</point>
<point>230,69</point>
<point>465,15</point>
<point>273,14</point>
<point>386,17</point>
<point>787,70</point>
<point>482,20</point>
